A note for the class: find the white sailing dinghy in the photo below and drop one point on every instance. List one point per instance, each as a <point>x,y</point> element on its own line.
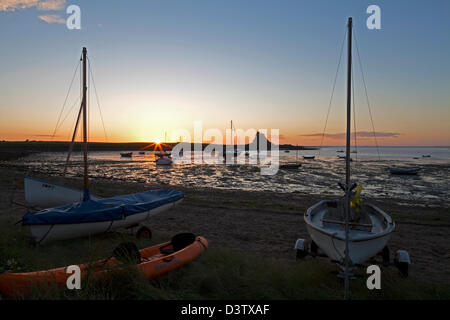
<point>45,194</point>
<point>369,230</point>
<point>78,213</point>
<point>348,231</point>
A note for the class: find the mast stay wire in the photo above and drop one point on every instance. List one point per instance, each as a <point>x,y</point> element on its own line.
<point>332,92</point>
<point>354,115</point>
<point>76,103</point>
<point>367,96</point>
<point>91,73</point>
<point>65,101</point>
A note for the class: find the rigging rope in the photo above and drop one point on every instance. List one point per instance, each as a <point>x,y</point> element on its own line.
<point>354,115</point>
<point>65,101</point>
<point>367,96</point>
<point>96,97</point>
<point>332,92</point>
<point>68,113</point>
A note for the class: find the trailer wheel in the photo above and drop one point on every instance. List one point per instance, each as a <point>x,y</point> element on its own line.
<point>314,249</point>
<point>300,249</point>
<point>32,243</point>
<point>385,254</point>
<point>144,233</point>
<point>402,262</point>
<point>403,268</point>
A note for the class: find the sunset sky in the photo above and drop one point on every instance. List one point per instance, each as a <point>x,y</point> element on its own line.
<point>161,65</point>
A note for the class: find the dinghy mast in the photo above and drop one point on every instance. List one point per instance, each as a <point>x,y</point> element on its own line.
<point>85,151</point>
<point>347,160</point>
<point>83,108</point>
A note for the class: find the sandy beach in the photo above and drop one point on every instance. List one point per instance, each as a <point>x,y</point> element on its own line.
<point>264,223</point>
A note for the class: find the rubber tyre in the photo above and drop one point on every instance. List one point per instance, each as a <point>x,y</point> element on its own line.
<point>300,254</point>
<point>403,268</point>
<point>385,254</point>
<point>144,233</point>
<point>314,249</point>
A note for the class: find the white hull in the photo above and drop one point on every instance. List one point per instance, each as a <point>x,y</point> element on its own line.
<point>46,194</point>
<point>46,233</point>
<point>363,245</point>
<point>360,251</point>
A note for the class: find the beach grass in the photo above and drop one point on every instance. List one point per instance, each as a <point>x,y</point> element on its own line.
<point>220,273</point>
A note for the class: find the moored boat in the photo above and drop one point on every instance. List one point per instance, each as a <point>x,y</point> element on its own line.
<point>164,159</point>
<point>404,171</point>
<point>126,154</point>
<point>290,166</point>
<point>344,157</point>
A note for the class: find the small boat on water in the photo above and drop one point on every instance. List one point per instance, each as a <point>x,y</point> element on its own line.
<point>164,159</point>
<point>340,151</point>
<point>152,262</point>
<point>309,157</point>
<point>234,153</point>
<point>290,166</point>
<point>141,152</point>
<point>426,156</point>
<point>403,171</point>
<point>344,157</point>
<point>126,154</point>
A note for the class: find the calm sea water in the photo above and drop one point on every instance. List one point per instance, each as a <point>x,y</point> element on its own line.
<point>319,176</point>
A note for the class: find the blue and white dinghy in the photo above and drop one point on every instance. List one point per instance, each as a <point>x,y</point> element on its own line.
<point>72,213</point>
<point>91,216</point>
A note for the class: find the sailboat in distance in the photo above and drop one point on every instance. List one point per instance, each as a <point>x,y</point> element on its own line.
<point>235,153</point>
<point>78,213</point>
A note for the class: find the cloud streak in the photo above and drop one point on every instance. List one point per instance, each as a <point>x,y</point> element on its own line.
<point>51,5</point>
<point>43,5</point>
<point>359,134</point>
<point>52,18</point>
<point>46,135</point>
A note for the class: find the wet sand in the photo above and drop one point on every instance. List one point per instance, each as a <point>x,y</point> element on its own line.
<point>265,223</point>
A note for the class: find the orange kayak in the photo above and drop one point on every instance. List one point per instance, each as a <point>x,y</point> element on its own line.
<point>154,262</point>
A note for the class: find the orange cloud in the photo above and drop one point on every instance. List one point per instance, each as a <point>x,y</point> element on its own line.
<point>52,18</point>
<point>51,5</point>
<point>44,5</point>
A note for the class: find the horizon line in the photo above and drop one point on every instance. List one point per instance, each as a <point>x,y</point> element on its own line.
<point>284,144</point>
